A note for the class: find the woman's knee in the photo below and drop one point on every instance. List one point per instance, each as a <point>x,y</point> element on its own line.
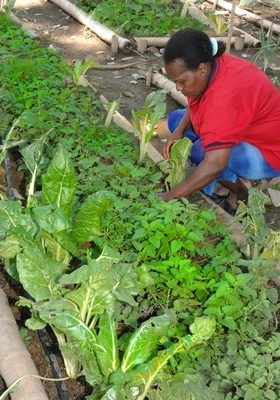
<point>198,152</point>
<point>174,119</point>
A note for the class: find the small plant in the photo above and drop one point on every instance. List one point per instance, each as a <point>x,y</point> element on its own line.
<point>137,17</point>
<point>80,70</point>
<point>154,110</point>
<point>220,25</point>
<point>179,154</point>
<point>268,48</point>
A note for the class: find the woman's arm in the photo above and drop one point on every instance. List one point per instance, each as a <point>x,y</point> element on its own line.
<point>183,125</point>
<point>214,162</point>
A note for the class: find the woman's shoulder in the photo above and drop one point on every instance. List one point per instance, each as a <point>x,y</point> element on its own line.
<point>240,72</point>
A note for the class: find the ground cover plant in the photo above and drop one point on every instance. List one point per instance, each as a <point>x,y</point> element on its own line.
<point>148,299</point>
<point>138,17</point>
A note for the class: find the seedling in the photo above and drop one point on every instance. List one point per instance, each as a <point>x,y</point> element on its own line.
<point>220,25</point>
<point>179,154</point>
<point>152,113</point>
<point>80,69</point>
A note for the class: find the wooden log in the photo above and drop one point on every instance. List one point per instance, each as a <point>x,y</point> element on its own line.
<point>164,83</point>
<point>249,40</point>
<point>154,41</point>
<point>15,360</point>
<point>100,30</point>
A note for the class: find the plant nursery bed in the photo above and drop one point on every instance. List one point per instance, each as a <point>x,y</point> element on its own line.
<point>242,283</point>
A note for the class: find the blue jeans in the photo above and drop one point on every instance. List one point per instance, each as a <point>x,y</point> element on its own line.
<point>246,161</point>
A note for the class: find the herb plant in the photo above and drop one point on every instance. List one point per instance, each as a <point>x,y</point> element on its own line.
<point>138,17</point>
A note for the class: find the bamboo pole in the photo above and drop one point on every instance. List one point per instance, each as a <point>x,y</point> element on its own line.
<point>164,83</point>
<point>15,360</point>
<point>248,16</point>
<point>232,16</point>
<point>249,40</point>
<point>100,30</point>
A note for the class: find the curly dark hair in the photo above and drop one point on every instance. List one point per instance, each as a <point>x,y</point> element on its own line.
<point>193,47</point>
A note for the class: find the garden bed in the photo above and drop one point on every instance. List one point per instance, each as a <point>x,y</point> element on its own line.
<point>133,99</point>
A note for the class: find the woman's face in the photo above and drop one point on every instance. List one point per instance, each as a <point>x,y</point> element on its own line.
<point>191,83</point>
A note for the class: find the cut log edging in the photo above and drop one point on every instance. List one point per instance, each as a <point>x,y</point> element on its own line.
<point>104,33</point>
<point>15,360</point>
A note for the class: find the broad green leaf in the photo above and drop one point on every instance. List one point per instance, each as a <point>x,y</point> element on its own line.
<point>176,245</point>
<point>10,247</point>
<point>38,273</point>
<point>202,329</point>
<point>270,394</point>
<point>179,154</point>
<point>10,212</point>
<point>272,295</point>
<point>70,323</point>
<point>223,290</point>
<point>228,322</point>
<point>32,154</point>
<point>112,394</point>
<point>144,340</point>
<point>59,182</point>
<point>108,353</point>
<point>55,250</point>
<point>52,219</point>
<point>191,387</point>
<point>88,221</point>
<point>145,378</point>
<point>102,265</point>
<point>93,297</point>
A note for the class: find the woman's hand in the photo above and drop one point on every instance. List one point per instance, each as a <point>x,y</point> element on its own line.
<point>165,196</point>
<point>176,135</point>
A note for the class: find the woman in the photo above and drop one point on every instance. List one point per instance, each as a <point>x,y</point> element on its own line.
<point>233,118</point>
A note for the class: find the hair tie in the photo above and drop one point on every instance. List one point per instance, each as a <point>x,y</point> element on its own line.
<point>214,46</point>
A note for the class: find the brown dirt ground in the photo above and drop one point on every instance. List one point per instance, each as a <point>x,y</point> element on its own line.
<point>57,29</point>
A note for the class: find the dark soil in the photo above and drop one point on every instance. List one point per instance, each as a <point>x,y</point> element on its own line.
<point>57,29</point>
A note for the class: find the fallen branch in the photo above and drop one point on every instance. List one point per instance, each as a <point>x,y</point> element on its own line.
<point>123,66</point>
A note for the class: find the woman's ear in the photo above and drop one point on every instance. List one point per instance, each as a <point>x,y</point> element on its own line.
<point>203,68</point>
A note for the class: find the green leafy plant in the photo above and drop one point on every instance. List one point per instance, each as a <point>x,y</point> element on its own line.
<point>38,243</point>
<point>138,17</point>
<point>179,154</point>
<point>220,25</point>
<point>154,110</point>
<point>80,69</point>
<point>268,48</point>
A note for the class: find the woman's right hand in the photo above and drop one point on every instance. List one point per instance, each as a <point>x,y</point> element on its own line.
<point>176,135</point>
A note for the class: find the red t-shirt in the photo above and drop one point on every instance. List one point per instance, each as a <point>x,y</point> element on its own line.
<point>239,104</point>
